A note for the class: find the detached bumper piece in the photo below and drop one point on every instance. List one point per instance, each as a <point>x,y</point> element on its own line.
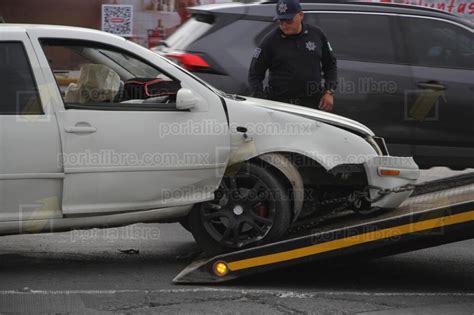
<point>428,219</point>
<point>390,172</point>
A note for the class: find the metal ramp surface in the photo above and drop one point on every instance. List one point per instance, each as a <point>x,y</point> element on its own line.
<point>432,217</point>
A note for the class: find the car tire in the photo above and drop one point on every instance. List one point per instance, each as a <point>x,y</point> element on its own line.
<point>251,208</point>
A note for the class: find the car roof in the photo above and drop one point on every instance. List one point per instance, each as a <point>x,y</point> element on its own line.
<point>25,27</point>
<point>267,9</point>
<point>53,29</point>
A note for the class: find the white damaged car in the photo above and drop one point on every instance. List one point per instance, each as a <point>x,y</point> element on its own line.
<point>98,132</point>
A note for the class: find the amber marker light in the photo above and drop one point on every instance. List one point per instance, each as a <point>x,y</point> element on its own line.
<point>221,268</point>
<point>389,172</point>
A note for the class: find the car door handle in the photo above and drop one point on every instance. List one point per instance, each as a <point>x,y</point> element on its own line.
<point>80,129</point>
<point>431,85</point>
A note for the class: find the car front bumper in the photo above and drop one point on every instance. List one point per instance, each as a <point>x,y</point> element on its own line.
<point>388,172</point>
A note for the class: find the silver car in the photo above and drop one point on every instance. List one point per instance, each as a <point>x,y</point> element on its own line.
<point>99,132</point>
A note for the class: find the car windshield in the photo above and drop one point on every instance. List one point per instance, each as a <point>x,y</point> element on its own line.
<point>195,77</point>
<point>209,86</point>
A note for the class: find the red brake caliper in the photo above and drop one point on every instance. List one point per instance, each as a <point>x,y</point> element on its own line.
<point>262,210</point>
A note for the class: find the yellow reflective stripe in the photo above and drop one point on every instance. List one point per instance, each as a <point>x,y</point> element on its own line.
<point>351,241</point>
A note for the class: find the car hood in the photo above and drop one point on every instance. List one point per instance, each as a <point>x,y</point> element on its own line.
<point>314,114</point>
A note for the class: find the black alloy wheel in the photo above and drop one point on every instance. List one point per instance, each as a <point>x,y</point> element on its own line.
<point>251,207</point>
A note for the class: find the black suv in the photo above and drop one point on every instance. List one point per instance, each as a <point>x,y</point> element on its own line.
<point>407,72</point>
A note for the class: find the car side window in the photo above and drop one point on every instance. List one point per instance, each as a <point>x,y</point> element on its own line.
<point>18,88</point>
<point>95,76</point>
<point>358,37</point>
<point>438,44</point>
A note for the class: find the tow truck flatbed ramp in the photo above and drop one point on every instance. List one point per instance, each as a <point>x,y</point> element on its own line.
<point>430,218</point>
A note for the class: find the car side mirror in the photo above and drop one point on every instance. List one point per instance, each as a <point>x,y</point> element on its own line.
<point>185,99</point>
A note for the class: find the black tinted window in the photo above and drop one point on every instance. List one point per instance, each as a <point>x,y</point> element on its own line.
<point>359,37</point>
<point>439,44</point>
<point>17,85</point>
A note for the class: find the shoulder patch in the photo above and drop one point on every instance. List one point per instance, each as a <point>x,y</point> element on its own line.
<point>257,52</point>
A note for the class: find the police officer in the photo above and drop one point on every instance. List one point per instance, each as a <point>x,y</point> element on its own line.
<point>295,55</point>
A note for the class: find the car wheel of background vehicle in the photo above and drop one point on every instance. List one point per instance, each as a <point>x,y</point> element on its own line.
<point>251,207</point>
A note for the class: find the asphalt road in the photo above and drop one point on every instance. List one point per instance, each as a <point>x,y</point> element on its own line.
<point>85,272</point>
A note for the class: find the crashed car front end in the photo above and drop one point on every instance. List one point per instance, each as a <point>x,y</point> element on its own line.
<point>337,156</point>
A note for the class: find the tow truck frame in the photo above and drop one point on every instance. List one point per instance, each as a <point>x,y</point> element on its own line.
<point>439,212</point>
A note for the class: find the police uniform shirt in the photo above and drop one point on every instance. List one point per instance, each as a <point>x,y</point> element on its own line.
<point>294,62</point>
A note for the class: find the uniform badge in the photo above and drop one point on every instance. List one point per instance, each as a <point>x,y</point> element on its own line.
<point>257,52</point>
<point>311,46</point>
<point>282,7</point>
